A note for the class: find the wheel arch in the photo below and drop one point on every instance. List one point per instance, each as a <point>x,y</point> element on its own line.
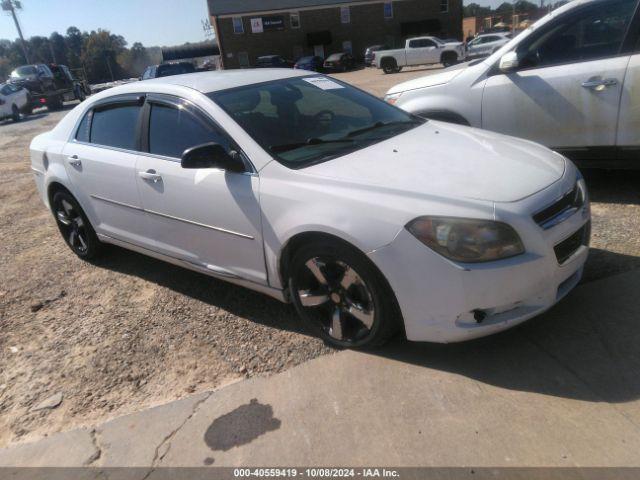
<point>291,246</point>
<point>298,240</point>
<point>441,115</point>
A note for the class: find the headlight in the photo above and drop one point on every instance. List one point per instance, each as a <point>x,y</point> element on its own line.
<point>392,98</point>
<point>466,240</point>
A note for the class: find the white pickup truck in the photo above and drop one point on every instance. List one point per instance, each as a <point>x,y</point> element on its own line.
<point>419,51</point>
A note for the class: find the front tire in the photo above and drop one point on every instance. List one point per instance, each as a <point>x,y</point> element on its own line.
<point>341,296</point>
<point>15,113</point>
<point>74,226</point>
<point>449,59</point>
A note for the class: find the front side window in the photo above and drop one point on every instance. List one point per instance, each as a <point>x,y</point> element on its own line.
<point>173,130</point>
<point>302,121</point>
<point>115,126</point>
<point>596,32</point>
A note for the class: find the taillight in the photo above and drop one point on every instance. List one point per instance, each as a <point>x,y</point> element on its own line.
<point>43,100</point>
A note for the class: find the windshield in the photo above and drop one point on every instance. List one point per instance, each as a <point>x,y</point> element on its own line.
<point>24,71</point>
<point>175,69</point>
<point>304,121</point>
<point>335,56</point>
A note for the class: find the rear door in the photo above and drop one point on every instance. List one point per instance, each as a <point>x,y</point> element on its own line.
<point>567,90</point>
<point>101,163</point>
<point>207,217</point>
<point>628,135</point>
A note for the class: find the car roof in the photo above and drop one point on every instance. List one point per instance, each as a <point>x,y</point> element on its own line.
<point>206,82</point>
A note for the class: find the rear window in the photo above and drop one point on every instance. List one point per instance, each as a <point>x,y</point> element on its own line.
<point>24,71</point>
<point>82,135</point>
<point>115,126</point>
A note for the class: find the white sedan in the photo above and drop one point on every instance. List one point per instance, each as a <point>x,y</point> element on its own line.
<point>370,220</point>
<point>14,100</point>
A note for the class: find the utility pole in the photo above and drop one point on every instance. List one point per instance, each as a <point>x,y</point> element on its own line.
<point>11,6</point>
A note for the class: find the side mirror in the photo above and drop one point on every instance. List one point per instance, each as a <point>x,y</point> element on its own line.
<point>509,62</point>
<point>212,155</point>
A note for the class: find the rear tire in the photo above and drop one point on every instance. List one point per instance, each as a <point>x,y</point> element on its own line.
<point>74,226</point>
<point>389,65</point>
<point>55,103</point>
<point>341,296</point>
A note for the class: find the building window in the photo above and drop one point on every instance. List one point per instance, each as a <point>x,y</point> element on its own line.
<point>388,10</point>
<point>238,27</point>
<point>444,6</point>
<point>243,59</point>
<point>347,46</point>
<point>345,14</point>
<point>295,20</point>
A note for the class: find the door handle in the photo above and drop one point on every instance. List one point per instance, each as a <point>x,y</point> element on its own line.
<point>74,161</point>
<point>599,84</point>
<point>150,176</point>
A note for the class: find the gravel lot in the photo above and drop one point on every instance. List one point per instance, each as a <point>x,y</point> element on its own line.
<point>129,332</point>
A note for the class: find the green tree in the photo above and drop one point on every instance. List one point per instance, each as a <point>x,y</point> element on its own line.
<point>100,53</point>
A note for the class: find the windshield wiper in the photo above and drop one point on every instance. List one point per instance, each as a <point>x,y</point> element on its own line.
<point>378,125</point>
<point>310,141</point>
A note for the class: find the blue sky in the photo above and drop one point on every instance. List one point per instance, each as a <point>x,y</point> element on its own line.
<point>152,22</point>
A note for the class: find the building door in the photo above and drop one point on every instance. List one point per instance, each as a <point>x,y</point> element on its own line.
<point>318,51</point>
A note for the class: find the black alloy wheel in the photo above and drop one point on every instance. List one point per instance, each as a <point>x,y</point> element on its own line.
<point>74,226</point>
<point>342,297</point>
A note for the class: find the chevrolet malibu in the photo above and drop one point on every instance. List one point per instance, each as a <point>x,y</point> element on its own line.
<point>368,219</point>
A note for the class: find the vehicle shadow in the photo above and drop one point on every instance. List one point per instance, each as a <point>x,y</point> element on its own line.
<point>613,186</point>
<point>25,118</point>
<point>585,348</point>
<point>240,301</point>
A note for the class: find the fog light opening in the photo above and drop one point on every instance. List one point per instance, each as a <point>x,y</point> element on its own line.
<point>479,315</point>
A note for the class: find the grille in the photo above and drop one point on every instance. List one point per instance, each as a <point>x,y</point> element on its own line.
<point>562,209</point>
<point>568,247</point>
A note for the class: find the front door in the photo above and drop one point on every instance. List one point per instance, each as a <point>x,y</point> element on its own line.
<point>567,90</point>
<point>101,163</point>
<point>207,217</point>
<point>422,51</point>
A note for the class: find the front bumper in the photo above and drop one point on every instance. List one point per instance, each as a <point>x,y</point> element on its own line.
<point>439,298</point>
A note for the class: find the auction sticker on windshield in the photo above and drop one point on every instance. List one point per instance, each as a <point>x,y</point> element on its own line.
<point>323,83</point>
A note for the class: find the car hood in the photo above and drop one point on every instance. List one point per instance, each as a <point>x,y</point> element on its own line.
<point>449,160</point>
<point>441,78</point>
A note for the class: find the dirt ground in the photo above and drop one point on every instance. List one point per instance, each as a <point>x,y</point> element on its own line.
<point>129,332</point>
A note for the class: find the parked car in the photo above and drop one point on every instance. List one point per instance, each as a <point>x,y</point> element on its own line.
<point>167,69</point>
<point>568,82</point>
<point>339,62</point>
<point>14,100</point>
<point>273,61</point>
<point>370,51</point>
<point>47,89</point>
<point>419,51</point>
<point>486,44</point>
<point>304,188</point>
<point>309,63</point>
